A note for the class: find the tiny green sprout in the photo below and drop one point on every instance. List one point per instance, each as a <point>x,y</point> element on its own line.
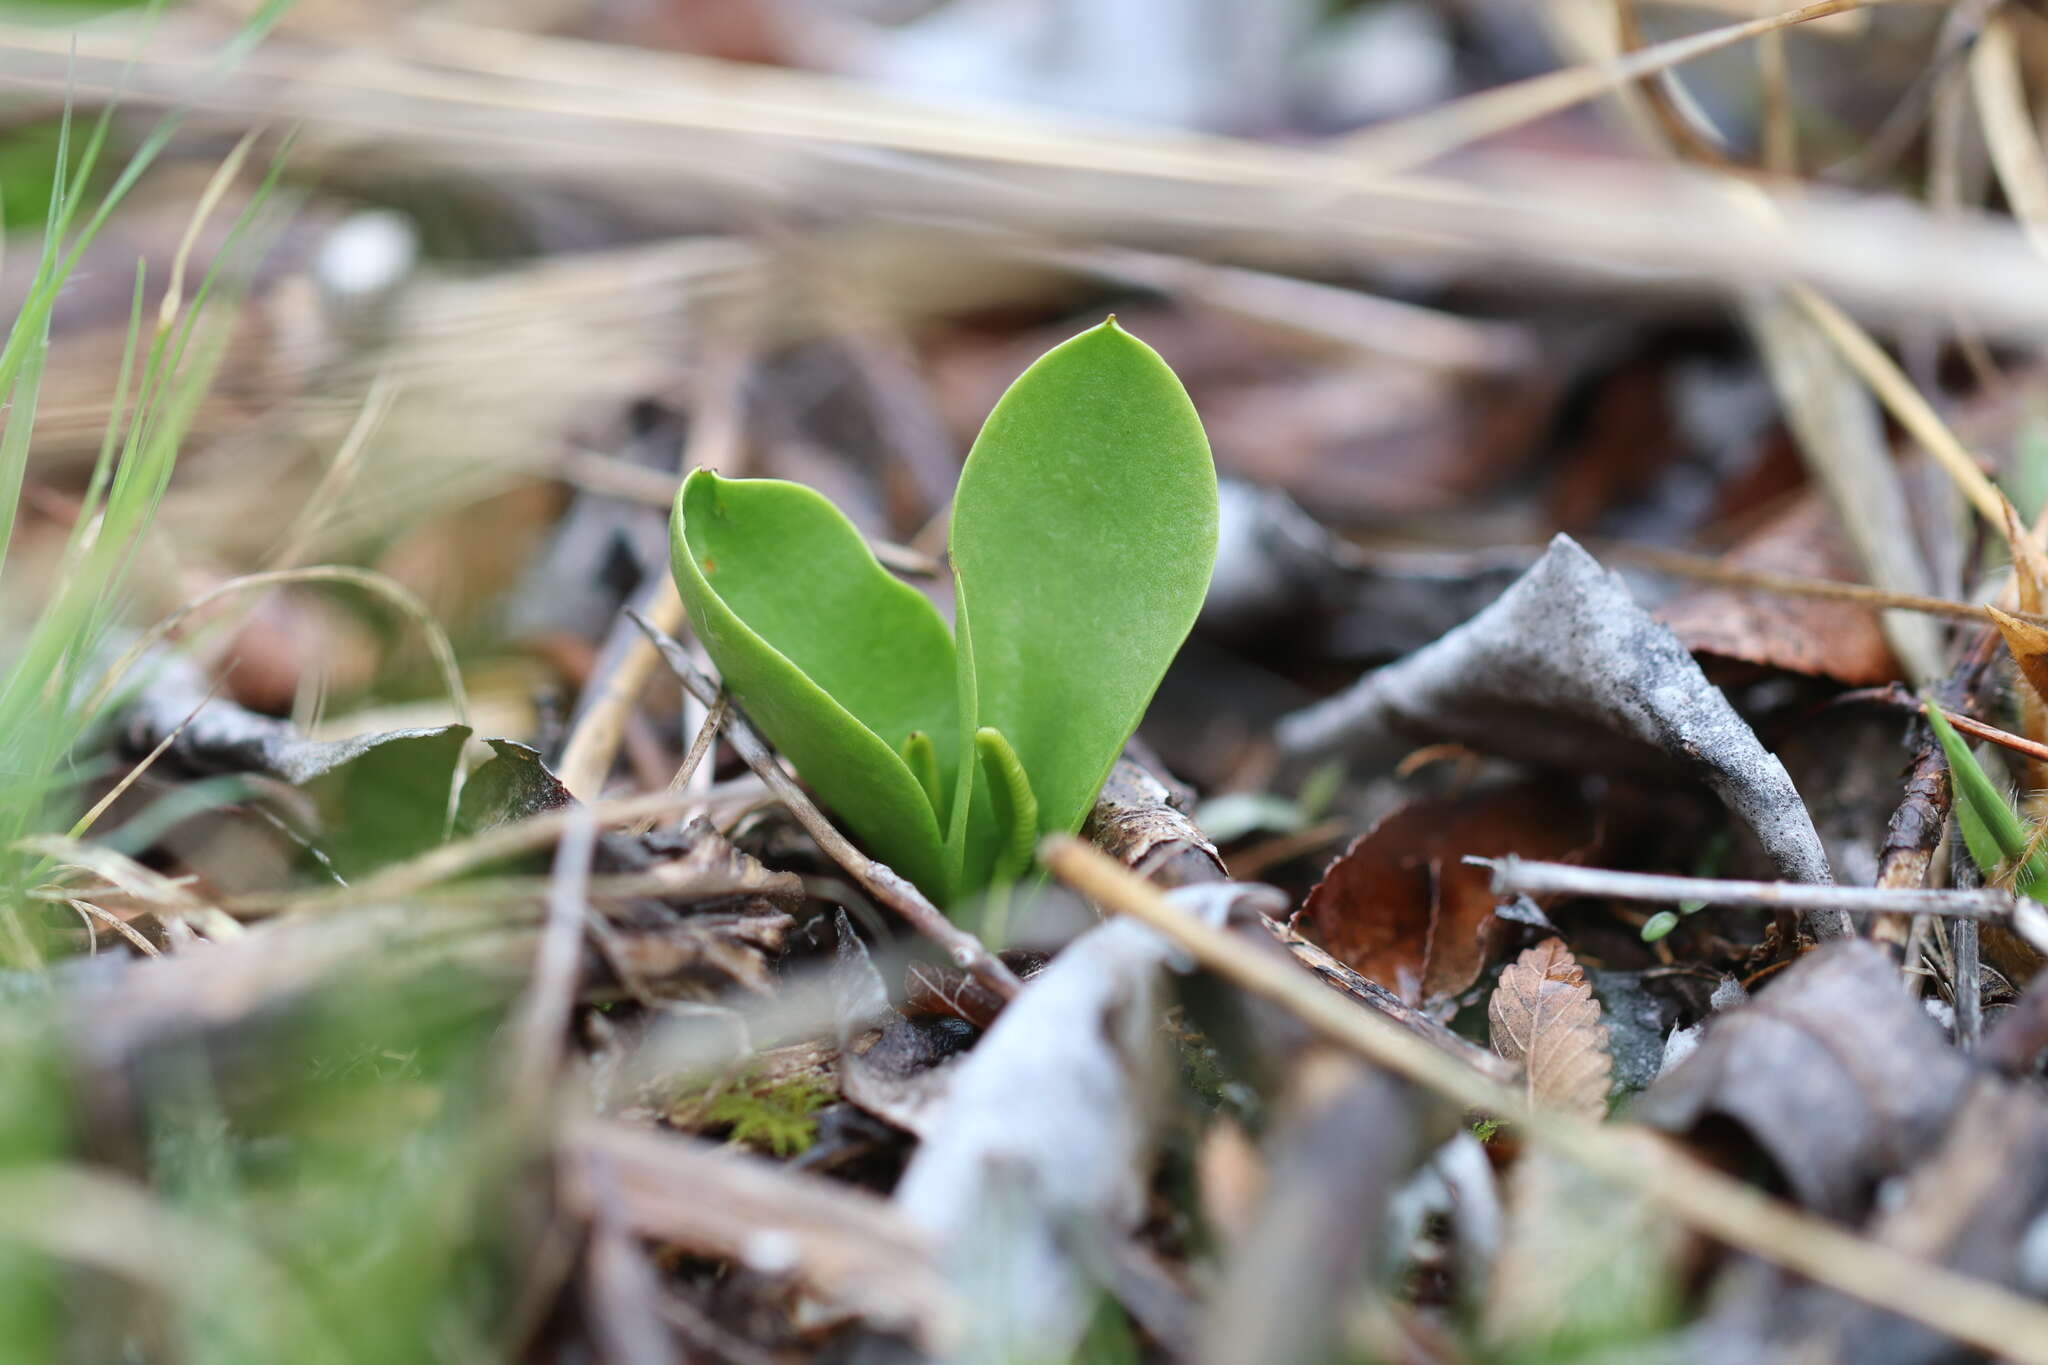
<point>1659,924</point>
<point>1083,537</point>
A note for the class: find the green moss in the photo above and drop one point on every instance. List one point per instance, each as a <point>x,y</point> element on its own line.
<point>779,1118</point>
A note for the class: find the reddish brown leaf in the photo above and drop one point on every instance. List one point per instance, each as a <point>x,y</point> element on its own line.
<point>1401,908</point>
<point>1545,1017</point>
<point>1810,635</point>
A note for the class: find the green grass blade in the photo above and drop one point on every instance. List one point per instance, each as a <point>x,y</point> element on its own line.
<point>1992,829</point>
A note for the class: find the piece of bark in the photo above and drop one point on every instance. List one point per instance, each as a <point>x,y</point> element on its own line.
<point>1136,821</point>
<point>1972,1204</point>
<point>1565,669</point>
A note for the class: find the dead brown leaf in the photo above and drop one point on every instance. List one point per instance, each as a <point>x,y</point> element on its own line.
<point>2029,646</point>
<point>1808,635</point>
<point>1544,1016</point>
<point>2029,562</point>
<point>1401,908</point>
<point>1777,1079</point>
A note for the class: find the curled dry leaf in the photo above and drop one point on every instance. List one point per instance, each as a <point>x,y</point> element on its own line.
<point>1565,669</point>
<point>1401,908</point>
<point>1779,1077</point>
<point>1545,1017</point>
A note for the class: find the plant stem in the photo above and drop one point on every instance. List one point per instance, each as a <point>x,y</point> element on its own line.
<point>880,881</point>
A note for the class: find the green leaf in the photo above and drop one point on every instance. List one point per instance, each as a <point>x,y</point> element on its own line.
<point>1992,830</point>
<point>1084,533</point>
<point>1013,806</point>
<point>836,661</point>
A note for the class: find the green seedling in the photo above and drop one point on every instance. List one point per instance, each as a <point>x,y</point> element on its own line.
<point>1992,830</point>
<point>1083,536</point>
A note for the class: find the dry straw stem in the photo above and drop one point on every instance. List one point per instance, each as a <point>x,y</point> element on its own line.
<point>618,122</point>
<point>2009,130</point>
<point>379,585</point>
<point>1972,1311</point>
<point>1904,402</point>
<point>209,199</point>
<point>1708,570</point>
<point>1405,144</point>
<point>544,1012</point>
<point>878,880</point>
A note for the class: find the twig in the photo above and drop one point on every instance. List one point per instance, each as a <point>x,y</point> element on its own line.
<point>544,1013</point>
<point>1707,570</point>
<point>625,665</point>
<point>878,880</point>
<point>1512,876</point>
<point>1899,698</point>
<point>1914,831</point>
<point>714,720</point>
<point>493,845</point>
<point>1973,1311</point>
<point>1965,971</point>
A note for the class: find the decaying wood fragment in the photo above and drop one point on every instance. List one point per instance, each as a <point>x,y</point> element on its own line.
<point>1136,821</point>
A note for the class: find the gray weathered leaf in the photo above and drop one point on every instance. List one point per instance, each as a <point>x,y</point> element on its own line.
<point>1566,669</point>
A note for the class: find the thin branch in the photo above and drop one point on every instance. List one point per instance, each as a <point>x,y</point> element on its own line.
<point>1900,699</point>
<point>436,865</point>
<point>880,881</point>
<point>1512,876</point>
<point>1971,1310</point>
